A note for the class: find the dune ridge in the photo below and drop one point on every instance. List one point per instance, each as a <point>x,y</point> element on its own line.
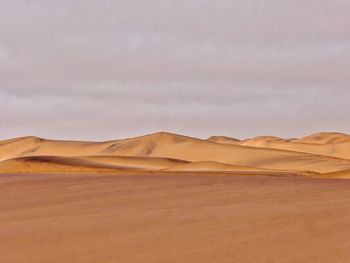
<point>325,138</point>
<point>327,144</point>
<point>318,153</point>
<point>330,144</point>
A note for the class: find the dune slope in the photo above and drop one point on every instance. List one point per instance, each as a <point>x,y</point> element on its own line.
<point>325,138</point>
<point>196,150</point>
<point>263,152</point>
<point>92,164</point>
<point>327,144</point>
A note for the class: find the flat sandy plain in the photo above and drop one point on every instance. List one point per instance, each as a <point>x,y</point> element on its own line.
<point>172,198</point>
<point>173,218</point>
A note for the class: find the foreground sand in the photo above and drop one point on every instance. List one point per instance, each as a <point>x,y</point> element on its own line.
<point>173,218</point>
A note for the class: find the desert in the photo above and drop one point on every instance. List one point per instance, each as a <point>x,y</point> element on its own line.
<point>165,197</point>
<point>174,131</point>
<point>315,155</point>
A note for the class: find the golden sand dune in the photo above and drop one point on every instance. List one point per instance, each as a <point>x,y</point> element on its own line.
<point>256,141</point>
<point>140,163</point>
<point>261,153</point>
<point>54,164</point>
<point>325,143</point>
<point>223,139</point>
<point>174,218</point>
<point>34,146</point>
<point>195,150</point>
<point>170,198</point>
<point>325,138</point>
<point>266,142</point>
<point>328,144</point>
<point>139,146</point>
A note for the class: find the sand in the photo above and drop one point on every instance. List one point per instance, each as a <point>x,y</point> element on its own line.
<point>173,218</point>
<point>320,153</point>
<point>341,174</point>
<point>95,164</point>
<point>213,166</point>
<point>165,197</point>
<point>327,144</point>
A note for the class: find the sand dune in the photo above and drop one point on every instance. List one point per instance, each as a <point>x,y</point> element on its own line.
<point>196,150</point>
<point>256,141</point>
<point>171,198</point>
<point>141,163</point>
<point>54,164</point>
<point>34,146</point>
<point>332,145</point>
<point>325,138</point>
<point>327,144</point>
<point>223,139</point>
<point>172,149</point>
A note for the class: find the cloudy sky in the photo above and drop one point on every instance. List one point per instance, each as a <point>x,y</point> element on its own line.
<point>84,69</point>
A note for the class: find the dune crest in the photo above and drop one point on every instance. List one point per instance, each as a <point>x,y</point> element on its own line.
<point>164,150</point>
<point>223,139</point>
<point>327,144</point>
<point>325,138</point>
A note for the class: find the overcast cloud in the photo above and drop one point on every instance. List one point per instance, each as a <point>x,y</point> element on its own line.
<point>84,69</point>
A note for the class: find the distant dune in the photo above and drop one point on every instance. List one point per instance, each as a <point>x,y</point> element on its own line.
<point>317,153</point>
<point>325,138</point>
<point>165,197</point>
<point>327,144</point>
<point>223,139</point>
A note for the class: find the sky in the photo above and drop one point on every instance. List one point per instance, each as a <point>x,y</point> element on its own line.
<point>107,69</point>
